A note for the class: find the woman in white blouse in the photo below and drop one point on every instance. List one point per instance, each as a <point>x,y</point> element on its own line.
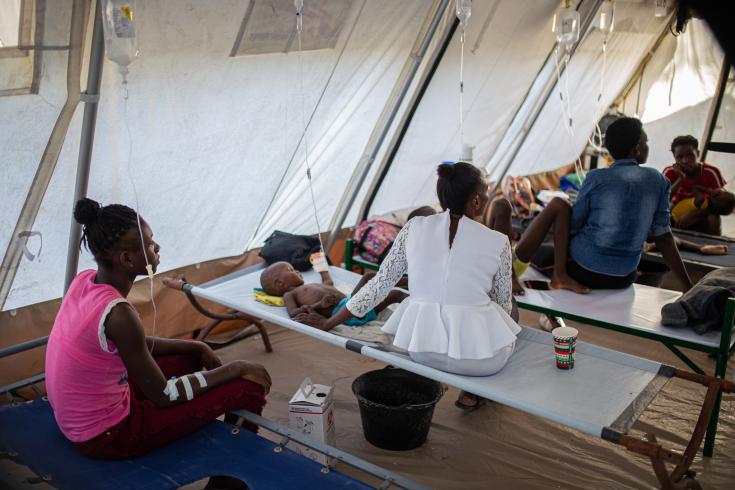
<point>458,316</point>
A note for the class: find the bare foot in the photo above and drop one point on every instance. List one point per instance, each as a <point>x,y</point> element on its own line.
<point>517,288</point>
<point>713,250</point>
<point>548,322</point>
<point>568,283</point>
<point>469,402</point>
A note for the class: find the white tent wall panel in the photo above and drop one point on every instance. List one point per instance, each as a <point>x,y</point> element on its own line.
<point>502,57</point>
<point>26,122</point>
<point>211,135</point>
<point>46,271</point>
<point>680,96</point>
<point>549,145</point>
<point>691,120</point>
<point>377,53</point>
<point>689,75</point>
<point>435,43</point>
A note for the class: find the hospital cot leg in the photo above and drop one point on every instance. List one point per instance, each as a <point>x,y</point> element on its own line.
<point>720,371</point>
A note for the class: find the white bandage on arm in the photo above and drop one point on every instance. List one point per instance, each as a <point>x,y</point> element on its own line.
<point>187,387</point>
<point>319,262</point>
<point>202,380</point>
<point>171,390</point>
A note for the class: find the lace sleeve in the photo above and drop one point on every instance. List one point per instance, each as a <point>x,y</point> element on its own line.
<point>501,291</point>
<point>390,272</point>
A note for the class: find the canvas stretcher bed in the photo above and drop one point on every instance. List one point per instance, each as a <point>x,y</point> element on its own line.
<point>636,311</point>
<point>602,396</point>
<point>31,437</point>
<point>699,262</point>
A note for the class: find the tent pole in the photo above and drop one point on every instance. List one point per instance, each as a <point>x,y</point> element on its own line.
<point>714,108</point>
<point>86,143</point>
<point>587,23</point>
<point>46,166</point>
<point>405,123</point>
<point>380,131</point>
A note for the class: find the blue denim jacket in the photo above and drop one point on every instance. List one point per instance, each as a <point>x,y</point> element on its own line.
<point>617,208</point>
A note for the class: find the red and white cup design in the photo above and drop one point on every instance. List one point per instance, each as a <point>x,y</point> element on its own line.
<point>565,346</point>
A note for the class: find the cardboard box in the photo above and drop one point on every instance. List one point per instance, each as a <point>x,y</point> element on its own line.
<point>310,412</point>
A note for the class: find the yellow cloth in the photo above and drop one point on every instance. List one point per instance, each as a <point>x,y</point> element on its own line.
<point>267,299</point>
<point>686,206</point>
<point>519,267</point>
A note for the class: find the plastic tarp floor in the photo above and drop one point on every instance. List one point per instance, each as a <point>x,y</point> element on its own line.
<point>497,446</point>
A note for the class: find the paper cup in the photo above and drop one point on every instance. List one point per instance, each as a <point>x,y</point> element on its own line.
<point>565,346</point>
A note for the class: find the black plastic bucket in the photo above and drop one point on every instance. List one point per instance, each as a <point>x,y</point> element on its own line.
<point>396,407</point>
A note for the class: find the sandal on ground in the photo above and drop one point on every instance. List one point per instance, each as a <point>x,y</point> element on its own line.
<point>475,401</point>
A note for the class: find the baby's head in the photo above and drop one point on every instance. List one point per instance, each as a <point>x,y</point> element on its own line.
<point>721,202</point>
<point>422,211</point>
<point>280,278</point>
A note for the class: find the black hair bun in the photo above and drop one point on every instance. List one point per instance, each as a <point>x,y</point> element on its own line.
<point>86,211</point>
<point>446,171</point>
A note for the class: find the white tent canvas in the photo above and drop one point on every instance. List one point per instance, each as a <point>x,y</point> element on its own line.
<point>212,143</point>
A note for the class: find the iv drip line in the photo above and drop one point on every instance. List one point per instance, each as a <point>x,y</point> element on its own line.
<point>299,30</point>
<point>148,265</point>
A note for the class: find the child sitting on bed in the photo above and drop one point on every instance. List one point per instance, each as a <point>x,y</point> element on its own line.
<point>117,393</point>
<point>281,279</point>
<point>689,212</point>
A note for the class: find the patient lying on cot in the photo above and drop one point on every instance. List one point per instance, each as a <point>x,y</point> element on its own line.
<point>281,279</point>
<point>688,246</point>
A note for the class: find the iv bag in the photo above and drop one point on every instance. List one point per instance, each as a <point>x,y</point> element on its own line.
<point>463,9</point>
<point>119,27</point>
<point>466,153</point>
<point>607,17</point>
<point>662,8</point>
<point>566,26</point>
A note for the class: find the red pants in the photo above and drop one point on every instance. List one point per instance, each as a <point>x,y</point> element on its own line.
<point>147,427</point>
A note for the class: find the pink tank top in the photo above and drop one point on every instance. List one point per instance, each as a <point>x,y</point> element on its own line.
<point>86,380</point>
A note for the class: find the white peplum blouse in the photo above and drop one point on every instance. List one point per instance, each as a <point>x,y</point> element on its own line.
<point>460,300</point>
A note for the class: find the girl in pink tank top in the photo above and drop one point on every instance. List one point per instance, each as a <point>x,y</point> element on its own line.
<point>111,397</point>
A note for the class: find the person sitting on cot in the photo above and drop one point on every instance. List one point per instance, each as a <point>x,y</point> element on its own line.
<point>115,392</point>
<point>689,172</point>
<point>599,241</point>
<point>500,219</point>
<point>421,211</point>
<point>690,212</point>
<point>461,316</point>
<point>281,279</point>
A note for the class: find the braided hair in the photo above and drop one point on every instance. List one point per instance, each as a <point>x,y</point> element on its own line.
<point>456,184</point>
<point>104,226</point>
